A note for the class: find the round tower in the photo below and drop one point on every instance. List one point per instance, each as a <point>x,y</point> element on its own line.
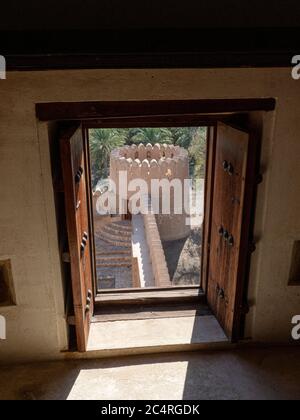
<point>161,162</point>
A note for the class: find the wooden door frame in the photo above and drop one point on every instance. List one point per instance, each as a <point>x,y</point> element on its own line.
<point>208,198</point>
<point>90,207</point>
<point>190,109</point>
<point>238,121</point>
<point>204,112</point>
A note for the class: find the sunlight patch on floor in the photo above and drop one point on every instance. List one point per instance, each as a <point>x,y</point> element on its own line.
<point>141,381</point>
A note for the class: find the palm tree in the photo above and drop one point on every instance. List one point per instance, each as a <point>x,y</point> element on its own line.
<point>197,152</point>
<point>183,136</point>
<point>102,142</point>
<point>152,135</point>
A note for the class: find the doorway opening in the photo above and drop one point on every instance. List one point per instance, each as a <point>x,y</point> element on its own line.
<point>232,172</point>
<point>148,205</point>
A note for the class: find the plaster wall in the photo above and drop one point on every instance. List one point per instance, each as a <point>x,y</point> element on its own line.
<point>36,327</point>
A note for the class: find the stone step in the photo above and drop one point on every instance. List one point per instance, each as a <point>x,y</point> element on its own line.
<point>104,253</point>
<point>116,219</point>
<point>106,282</point>
<point>113,258</point>
<point>114,264</point>
<point>115,337</point>
<point>123,225</point>
<point>115,230</point>
<point>114,239</point>
<point>123,245</point>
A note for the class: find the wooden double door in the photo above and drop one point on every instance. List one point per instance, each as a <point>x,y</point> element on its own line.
<point>230,188</point>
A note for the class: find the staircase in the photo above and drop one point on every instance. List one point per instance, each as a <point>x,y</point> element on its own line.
<point>114,255</point>
<point>113,260</point>
<point>117,233</point>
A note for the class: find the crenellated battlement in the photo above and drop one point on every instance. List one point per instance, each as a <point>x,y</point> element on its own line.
<point>147,163</point>
<point>150,162</point>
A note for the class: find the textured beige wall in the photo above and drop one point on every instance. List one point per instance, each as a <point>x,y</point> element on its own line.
<point>36,326</point>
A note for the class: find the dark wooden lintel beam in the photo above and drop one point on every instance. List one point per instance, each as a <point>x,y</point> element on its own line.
<point>106,109</point>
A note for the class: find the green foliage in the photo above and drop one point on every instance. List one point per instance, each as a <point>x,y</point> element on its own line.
<point>197,153</point>
<point>104,140</point>
<point>152,135</point>
<point>183,136</point>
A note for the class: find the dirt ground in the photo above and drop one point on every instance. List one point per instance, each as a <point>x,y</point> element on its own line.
<point>184,258</point>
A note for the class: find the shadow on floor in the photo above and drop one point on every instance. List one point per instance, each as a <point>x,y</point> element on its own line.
<point>245,374</point>
<point>272,373</point>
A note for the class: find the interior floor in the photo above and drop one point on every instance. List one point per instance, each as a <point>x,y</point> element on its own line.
<point>235,374</point>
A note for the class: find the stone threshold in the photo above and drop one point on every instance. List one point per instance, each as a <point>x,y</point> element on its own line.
<point>147,336</point>
<point>148,295</point>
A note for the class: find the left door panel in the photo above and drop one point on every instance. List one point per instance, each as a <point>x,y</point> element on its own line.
<point>74,169</point>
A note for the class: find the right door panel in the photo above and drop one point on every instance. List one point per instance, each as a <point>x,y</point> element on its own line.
<point>230,168</point>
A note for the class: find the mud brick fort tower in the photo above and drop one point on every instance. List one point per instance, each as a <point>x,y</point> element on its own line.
<point>158,162</point>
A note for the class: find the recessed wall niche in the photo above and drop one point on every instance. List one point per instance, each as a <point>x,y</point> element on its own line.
<point>7,293</point>
<point>294,278</point>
